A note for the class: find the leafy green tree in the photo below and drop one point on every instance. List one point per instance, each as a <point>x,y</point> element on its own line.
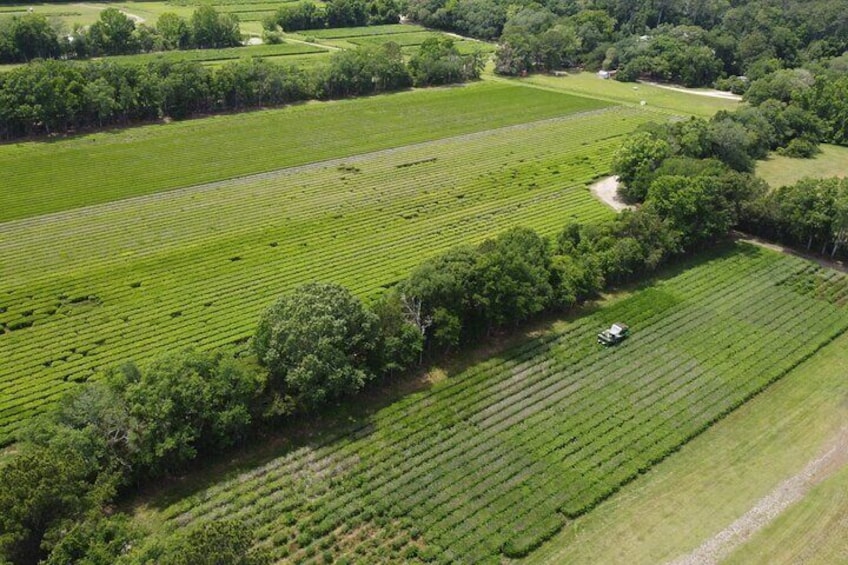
<point>222,542</point>
<point>112,33</point>
<point>27,37</point>
<point>96,540</point>
<point>635,161</point>
<point>438,61</point>
<point>41,490</point>
<point>514,277</point>
<point>174,30</point>
<point>318,343</point>
<point>696,208</point>
<point>347,13</point>
<point>300,15</point>
<point>381,12</point>
<point>403,326</point>
<point>211,29</point>
<point>732,143</point>
<point>185,403</point>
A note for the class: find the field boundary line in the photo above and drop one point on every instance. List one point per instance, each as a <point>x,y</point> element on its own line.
<point>94,210</point>
<point>832,458</point>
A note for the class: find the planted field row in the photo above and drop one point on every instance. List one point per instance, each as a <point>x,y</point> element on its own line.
<point>496,459</point>
<point>403,40</point>
<point>347,32</point>
<point>133,279</point>
<point>110,166</point>
<point>283,49</point>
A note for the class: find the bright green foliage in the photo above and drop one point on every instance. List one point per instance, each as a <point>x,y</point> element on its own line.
<point>637,157</point>
<point>223,542</point>
<point>318,343</point>
<point>512,274</point>
<point>59,175</point>
<point>98,540</point>
<point>137,279</point>
<point>696,207</point>
<point>185,403</point>
<point>494,459</point>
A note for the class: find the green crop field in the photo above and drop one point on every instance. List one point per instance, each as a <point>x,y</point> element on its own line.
<point>278,51</point>
<point>724,473</point>
<point>496,459</point>
<point>89,288</point>
<point>107,166</point>
<point>348,32</point>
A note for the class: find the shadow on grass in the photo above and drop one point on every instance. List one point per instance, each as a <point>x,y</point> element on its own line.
<point>357,415</point>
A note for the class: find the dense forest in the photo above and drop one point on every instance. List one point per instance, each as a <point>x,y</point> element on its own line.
<point>695,43</point>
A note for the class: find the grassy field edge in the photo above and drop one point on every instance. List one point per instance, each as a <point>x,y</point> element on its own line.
<point>717,476</point>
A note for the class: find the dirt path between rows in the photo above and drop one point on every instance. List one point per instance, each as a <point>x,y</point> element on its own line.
<point>833,457</point>
<point>606,190</point>
<point>321,45</point>
<point>709,92</point>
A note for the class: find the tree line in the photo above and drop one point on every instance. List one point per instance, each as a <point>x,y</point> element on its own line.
<point>811,214</point>
<point>307,14</point>
<point>48,97</point>
<point>32,36</point>
<point>314,348</point>
<point>694,43</point>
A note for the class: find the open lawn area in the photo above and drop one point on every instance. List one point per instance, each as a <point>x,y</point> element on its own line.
<point>589,84</point>
<point>778,170</point>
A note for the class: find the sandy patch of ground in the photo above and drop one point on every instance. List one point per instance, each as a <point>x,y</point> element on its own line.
<point>710,92</point>
<point>833,457</point>
<point>606,190</point>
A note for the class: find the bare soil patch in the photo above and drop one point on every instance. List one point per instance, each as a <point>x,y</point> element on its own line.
<point>606,190</point>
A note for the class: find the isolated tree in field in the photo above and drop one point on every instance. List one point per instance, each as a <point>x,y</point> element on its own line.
<point>318,343</point>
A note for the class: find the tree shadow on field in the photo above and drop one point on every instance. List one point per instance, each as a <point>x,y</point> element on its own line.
<point>356,416</point>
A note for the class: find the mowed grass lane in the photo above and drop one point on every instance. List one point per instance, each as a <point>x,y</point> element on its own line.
<point>674,102</point>
<point>50,176</point>
<point>497,458</point>
<point>89,288</point>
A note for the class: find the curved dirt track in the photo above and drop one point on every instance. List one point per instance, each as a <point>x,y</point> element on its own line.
<point>606,190</point>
